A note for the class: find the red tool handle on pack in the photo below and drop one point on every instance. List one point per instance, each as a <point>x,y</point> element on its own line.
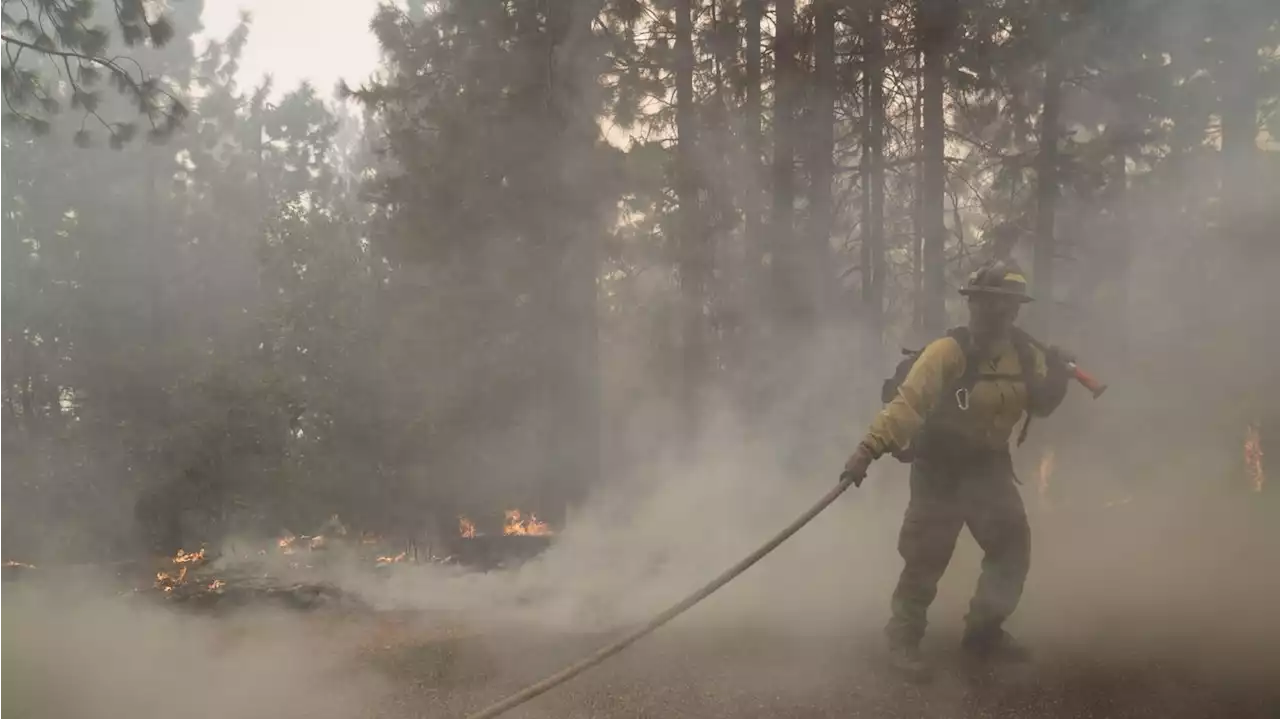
<point>1090,382</point>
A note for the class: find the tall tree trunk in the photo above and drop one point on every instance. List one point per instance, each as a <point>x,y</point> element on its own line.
<point>573,228</point>
<point>874,146</point>
<point>786,300</point>
<point>822,154</point>
<point>1118,186</point>
<point>1047,173</point>
<point>936,17</point>
<point>692,276</point>
<point>11,393</point>
<point>722,186</point>
<point>753,203</point>
<point>1239,110</point>
<point>864,196</point>
<point>9,338</point>
<point>30,419</point>
<point>917,201</point>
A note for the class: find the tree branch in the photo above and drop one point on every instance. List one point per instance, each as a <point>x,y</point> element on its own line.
<point>111,65</point>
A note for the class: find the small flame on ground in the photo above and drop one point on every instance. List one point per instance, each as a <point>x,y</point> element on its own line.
<point>1253,458</point>
<point>184,557</point>
<point>167,581</point>
<point>286,543</point>
<point>466,528</point>
<point>1046,473</point>
<point>216,584</point>
<point>392,560</point>
<point>517,524</point>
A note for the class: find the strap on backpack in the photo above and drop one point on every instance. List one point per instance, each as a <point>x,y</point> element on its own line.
<point>1026,363</point>
<point>969,378</point>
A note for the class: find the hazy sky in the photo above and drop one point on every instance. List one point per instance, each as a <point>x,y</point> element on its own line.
<point>296,40</point>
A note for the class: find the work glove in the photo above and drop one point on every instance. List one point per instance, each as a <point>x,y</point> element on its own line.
<point>857,465</point>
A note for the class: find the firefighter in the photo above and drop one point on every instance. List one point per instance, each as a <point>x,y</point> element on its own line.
<point>952,416</point>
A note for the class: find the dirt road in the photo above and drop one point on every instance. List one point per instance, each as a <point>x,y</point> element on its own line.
<point>706,674</point>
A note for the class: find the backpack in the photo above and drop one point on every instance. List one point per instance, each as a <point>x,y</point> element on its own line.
<point>1022,344</point>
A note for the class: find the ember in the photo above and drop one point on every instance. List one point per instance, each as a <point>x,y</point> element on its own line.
<point>1253,458</point>
<point>383,561</point>
<point>184,557</point>
<point>517,524</point>
<point>167,581</point>
<point>466,528</point>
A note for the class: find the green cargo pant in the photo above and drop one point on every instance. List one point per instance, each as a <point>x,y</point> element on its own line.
<point>944,497</point>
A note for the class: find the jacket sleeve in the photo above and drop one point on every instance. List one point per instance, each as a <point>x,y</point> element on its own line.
<point>939,366</point>
<point>1051,376</point>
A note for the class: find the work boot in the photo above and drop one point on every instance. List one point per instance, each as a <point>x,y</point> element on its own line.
<point>994,646</point>
<point>906,660</point>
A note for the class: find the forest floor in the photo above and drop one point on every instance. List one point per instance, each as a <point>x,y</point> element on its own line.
<point>747,673</point>
<point>1180,626</point>
<point>72,658</point>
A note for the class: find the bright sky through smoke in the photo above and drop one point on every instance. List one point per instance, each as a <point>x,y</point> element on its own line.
<point>294,40</point>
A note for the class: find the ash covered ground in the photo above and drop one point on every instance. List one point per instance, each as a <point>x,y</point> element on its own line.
<point>1128,619</point>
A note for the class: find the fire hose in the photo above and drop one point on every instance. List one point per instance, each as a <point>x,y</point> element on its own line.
<point>533,690</point>
<point>574,670</point>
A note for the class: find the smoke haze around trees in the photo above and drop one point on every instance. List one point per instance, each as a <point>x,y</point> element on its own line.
<point>551,246</point>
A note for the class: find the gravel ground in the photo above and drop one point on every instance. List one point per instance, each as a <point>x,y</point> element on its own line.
<point>723,673</point>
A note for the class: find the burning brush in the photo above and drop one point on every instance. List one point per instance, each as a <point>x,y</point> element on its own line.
<point>167,581</point>
<point>517,524</point>
<point>466,528</point>
<point>384,561</point>
<point>14,568</point>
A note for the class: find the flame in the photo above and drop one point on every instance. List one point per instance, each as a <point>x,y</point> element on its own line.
<point>167,581</point>
<point>13,563</point>
<point>466,528</point>
<point>382,561</point>
<point>286,543</point>
<point>516,524</point>
<point>216,585</point>
<point>1046,473</point>
<point>1253,457</point>
<point>183,557</point>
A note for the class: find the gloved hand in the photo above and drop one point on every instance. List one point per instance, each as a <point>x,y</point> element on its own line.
<point>857,465</point>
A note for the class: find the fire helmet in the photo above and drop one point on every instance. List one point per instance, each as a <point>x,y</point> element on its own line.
<point>999,277</point>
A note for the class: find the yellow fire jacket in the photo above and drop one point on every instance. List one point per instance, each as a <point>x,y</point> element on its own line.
<point>995,404</point>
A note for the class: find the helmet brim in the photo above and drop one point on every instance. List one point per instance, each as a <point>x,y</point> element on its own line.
<point>1020,296</point>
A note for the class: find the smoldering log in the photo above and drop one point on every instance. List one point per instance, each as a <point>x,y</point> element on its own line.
<point>230,592</point>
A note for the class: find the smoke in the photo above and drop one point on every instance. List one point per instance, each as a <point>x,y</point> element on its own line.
<point>1148,544</point>
<point>75,650</point>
